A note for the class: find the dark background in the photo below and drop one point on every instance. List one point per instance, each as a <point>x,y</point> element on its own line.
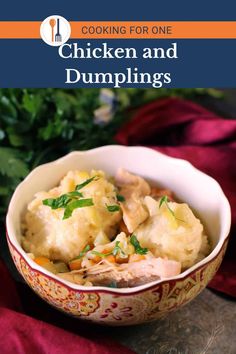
<point>105,10</point>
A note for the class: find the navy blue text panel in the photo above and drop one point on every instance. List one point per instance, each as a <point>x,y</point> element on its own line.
<point>199,63</point>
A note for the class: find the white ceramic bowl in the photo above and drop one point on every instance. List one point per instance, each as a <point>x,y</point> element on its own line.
<point>143,303</point>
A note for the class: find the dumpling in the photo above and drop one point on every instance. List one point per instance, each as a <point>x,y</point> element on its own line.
<point>47,234</point>
<point>172,231</point>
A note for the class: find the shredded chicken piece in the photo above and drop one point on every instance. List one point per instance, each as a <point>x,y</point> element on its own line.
<point>133,188</point>
<point>126,179</point>
<point>127,274</point>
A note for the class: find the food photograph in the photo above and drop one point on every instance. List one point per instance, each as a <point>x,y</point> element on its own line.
<point>118,218</point>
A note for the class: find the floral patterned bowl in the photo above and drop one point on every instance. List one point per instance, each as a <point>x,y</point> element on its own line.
<point>142,303</point>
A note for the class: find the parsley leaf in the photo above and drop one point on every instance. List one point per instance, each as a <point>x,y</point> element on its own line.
<point>138,249</point>
<point>117,250</point>
<point>113,208</point>
<point>165,200</point>
<point>101,255</point>
<point>75,204</point>
<point>82,253</point>
<point>120,198</point>
<point>81,185</point>
<point>56,203</point>
<point>75,194</point>
<point>62,201</point>
<point>11,165</point>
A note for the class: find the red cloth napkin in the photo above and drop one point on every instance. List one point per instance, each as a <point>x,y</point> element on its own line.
<point>22,334</point>
<point>186,130</point>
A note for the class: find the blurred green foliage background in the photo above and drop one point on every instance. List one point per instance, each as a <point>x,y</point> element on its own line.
<point>39,125</point>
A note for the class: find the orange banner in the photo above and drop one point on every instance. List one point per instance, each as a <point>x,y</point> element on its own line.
<point>123,29</point>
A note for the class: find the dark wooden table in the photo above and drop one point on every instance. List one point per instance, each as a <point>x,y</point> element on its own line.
<point>207,325</point>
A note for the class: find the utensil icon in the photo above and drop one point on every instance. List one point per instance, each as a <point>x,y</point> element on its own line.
<point>52,23</point>
<point>58,35</point>
<point>55,30</point>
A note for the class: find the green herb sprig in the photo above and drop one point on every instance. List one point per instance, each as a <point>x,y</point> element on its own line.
<point>71,201</point>
<point>83,184</point>
<point>75,204</point>
<point>165,200</point>
<point>101,255</point>
<point>116,250</point>
<point>113,208</point>
<point>82,253</point>
<point>120,198</point>
<point>137,247</point>
<point>62,201</point>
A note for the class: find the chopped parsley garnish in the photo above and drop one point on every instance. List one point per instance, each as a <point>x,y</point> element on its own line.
<point>75,194</point>
<point>138,249</point>
<point>116,250</point>
<point>101,255</point>
<point>113,208</point>
<point>82,253</point>
<point>52,203</point>
<point>83,184</point>
<point>165,200</point>
<point>62,201</point>
<point>70,201</point>
<point>75,204</point>
<point>120,198</point>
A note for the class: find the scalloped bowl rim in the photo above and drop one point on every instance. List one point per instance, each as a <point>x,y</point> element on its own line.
<point>126,291</point>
